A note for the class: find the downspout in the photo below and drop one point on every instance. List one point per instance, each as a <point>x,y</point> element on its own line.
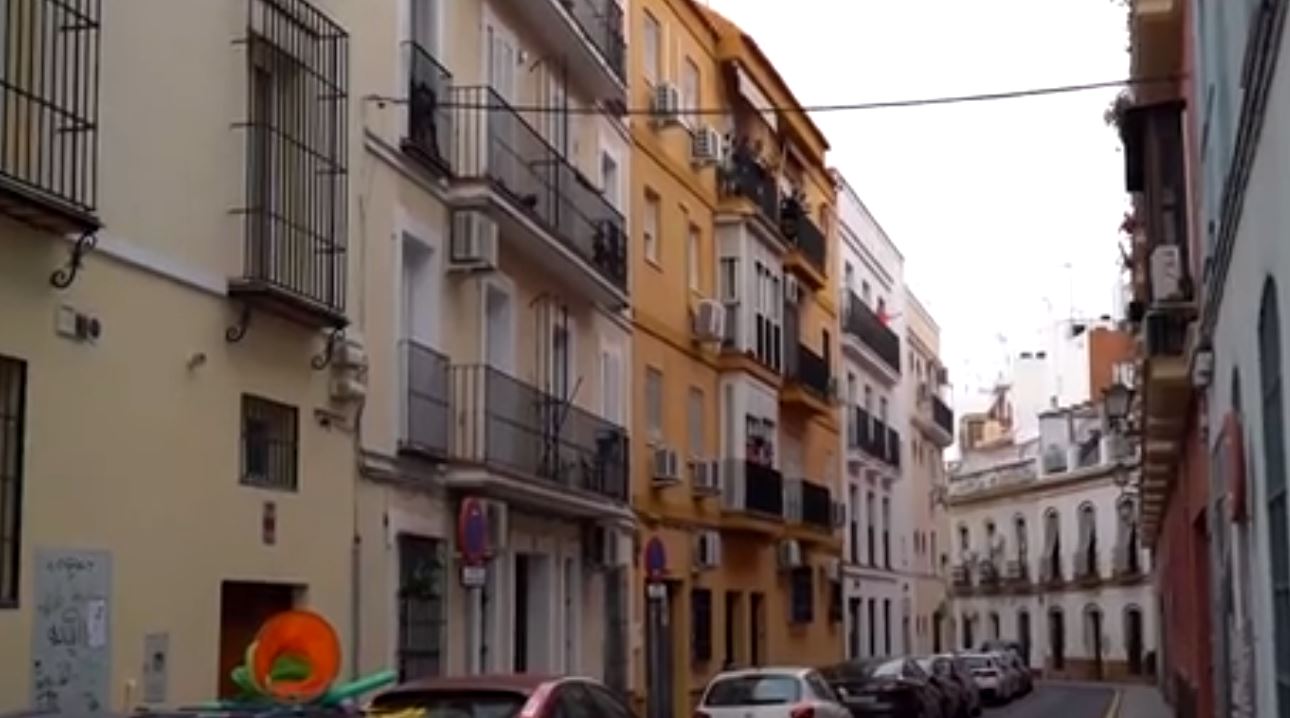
<point>355,552</point>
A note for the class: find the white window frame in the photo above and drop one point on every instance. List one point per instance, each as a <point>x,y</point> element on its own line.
<point>652,58</point>
<point>652,220</point>
<point>654,424</point>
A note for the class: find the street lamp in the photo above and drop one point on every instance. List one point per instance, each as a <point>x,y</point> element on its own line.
<point>1117,398</point>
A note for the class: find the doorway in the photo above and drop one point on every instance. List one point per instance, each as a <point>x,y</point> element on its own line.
<point>756,627</point>
<point>1133,639</point>
<point>1093,627</point>
<point>853,636</point>
<point>499,320</point>
<point>1057,638</point>
<point>532,620</point>
<point>244,607</point>
<point>1023,634</point>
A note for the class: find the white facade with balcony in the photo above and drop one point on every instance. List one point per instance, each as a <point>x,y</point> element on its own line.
<point>877,590</point>
<point>1046,551</point>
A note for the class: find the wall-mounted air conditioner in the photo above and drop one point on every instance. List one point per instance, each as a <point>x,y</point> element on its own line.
<point>705,477</point>
<point>709,321</point>
<point>666,104</point>
<point>706,146</point>
<point>1166,273</point>
<point>707,549</point>
<point>789,552</point>
<point>473,244</point>
<point>666,467</point>
<point>792,290</point>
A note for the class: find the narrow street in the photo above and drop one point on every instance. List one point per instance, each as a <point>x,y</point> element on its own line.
<point>1051,700</point>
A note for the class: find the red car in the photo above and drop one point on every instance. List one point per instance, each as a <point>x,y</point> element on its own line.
<point>504,696</point>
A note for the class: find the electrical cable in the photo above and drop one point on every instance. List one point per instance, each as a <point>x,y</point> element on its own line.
<point>809,109</point>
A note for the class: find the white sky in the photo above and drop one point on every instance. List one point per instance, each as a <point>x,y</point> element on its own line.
<point>989,202</point>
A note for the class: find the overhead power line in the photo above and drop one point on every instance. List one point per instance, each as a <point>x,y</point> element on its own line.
<point>840,107</point>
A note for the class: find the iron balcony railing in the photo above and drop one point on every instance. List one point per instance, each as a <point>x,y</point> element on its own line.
<point>961,576</point>
<point>602,21</point>
<point>753,487</point>
<point>943,415</point>
<point>859,429</point>
<point>504,423</point>
<point>498,145</point>
<point>892,455</point>
<point>861,322</point>
<point>1166,333</point>
<point>817,506</point>
<point>744,176</point>
<point>802,233</point>
<point>49,103</point>
<point>297,146</point>
<point>427,405</point>
<point>810,370</point>
<point>430,126</point>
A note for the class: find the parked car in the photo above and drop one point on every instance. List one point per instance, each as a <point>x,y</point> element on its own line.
<point>786,692</point>
<point>993,680</point>
<point>953,700</point>
<point>503,696</point>
<point>1016,649</point>
<point>885,688</point>
<point>1025,677</point>
<point>954,669</point>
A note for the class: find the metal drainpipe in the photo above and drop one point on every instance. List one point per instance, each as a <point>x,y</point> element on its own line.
<point>355,552</point>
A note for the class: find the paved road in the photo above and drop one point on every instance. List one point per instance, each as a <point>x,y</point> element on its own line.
<point>1051,700</point>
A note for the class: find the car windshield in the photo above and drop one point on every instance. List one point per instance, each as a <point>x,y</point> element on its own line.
<point>978,662</point>
<point>754,690</point>
<point>451,704</point>
<point>890,669</point>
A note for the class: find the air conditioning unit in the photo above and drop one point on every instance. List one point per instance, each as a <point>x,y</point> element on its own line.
<point>666,104</point>
<point>838,510</point>
<point>792,290</point>
<point>473,245</point>
<point>705,477</point>
<point>707,549</point>
<point>601,545</point>
<point>667,467</point>
<point>790,554</point>
<point>499,529</point>
<point>832,569</point>
<point>1166,273</point>
<point>709,321</point>
<point>706,146</point>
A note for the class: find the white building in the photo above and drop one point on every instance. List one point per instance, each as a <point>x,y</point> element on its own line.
<point>1046,550</point>
<point>876,589</point>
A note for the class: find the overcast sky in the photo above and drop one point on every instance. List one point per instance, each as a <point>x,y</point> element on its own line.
<point>989,202</point>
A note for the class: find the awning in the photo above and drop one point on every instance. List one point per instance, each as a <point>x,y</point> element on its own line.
<point>752,93</point>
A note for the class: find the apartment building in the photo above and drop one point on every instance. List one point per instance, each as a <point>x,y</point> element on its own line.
<point>931,432</point>
<point>734,345</point>
<point>877,592</point>
<point>1081,604</point>
<point>492,516</point>
<point>177,408</point>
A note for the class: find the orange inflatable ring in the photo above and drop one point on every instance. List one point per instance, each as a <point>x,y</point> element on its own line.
<point>301,636</point>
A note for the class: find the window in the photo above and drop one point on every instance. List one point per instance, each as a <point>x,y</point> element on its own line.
<point>886,626</point>
<point>882,409</point>
<point>848,276</point>
<point>694,417</point>
<point>1086,560</point>
<point>802,586</point>
<point>692,266</point>
<point>689,90</point>
<point>609,178</point>
<point>768,312</point>
<point>653,48</point>
<point>425,25</point>
<point>13,414</point>
<point>886,533</point>
<point>870,520</point>
<point>1274,471</point>
<point>731,620</point>
<point>864,292</point>
<point>651,221</point>
<point>1019,531</point>
<point>654,403</point>
<point>701,625</point>
<point>611,384</point>
<point>853,526</point>
<point>729,279</point>
<point>269,444</point>
<point>873,627</point>
<point>422,615</point>
<point>868,398</point>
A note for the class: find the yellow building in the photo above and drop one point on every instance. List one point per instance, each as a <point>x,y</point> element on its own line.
<point>931,431</point>
<point>175,451</point>
<point>495,290</point>
<point>736,436</point>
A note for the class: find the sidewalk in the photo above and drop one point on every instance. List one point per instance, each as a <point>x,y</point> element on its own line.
<point>1142,702</point>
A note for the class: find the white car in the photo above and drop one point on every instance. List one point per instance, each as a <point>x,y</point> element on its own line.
<point>991,676</point>
<point>776,692</point>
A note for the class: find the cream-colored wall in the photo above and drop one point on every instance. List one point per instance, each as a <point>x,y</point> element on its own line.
<point>131,451</point>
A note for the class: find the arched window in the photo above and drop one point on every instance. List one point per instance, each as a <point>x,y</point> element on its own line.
<point>1050,567</point>
<point>965,540</point>
<point>995,628</point>
<point>1086,552</point>
<point>991,539</point>
<point>1019,540</point>
<point>1274,473</point>
<point>1127,550</point>
<point>1023,634</point>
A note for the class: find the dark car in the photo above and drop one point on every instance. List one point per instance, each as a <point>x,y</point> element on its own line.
<point>958,668</point>
<point>885,688</point>
<point>503,696</point>
<point>951,678</point>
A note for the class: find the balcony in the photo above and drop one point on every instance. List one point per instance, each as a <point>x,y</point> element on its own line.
<point>809,504</point>
<point>753,489</point>
<point>744,176</point>
<point>49,92</point>
<point>430,126</point>
<point>893,452</point>
<point>870,436</point>
<point>961,578</point>
<point>810,380</point>
<point>872,344</point>
<point>934,417</point>
<point>807,255</point>
<point>427,405</point>
<point>295,210</point>
<point>988,576</point>
<point>1017,573</point>
<point>535,446</point>
<point>588,36</point>
<point>540,201</point>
